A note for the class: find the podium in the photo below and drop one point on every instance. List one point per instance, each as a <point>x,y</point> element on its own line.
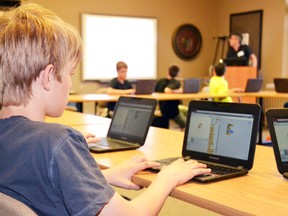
<point>237,78</point>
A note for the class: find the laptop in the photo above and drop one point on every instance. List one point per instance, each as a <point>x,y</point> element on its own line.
<point>278,127</point>
<point>191,85</point>
<point>220,134</point>
<point>281,85</point>
<point>129,125</point>
<point>254,84</point>
<point>145,86</point>
<point>235,61</point>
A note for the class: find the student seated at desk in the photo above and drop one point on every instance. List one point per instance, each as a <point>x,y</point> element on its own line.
<point>119,85</point>
<point>219,85</point>
<point>169,109</point>
<point>46,166</point>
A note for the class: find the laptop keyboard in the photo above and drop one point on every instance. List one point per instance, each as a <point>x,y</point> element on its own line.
<point>215,169</point>
<point>111,143</point>
<point>220,170</point>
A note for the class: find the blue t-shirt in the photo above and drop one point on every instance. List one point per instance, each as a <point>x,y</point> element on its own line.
<point>49,168</point>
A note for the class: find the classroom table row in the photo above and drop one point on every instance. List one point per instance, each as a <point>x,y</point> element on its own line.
<point>242,96</point>
<point>184,96</point>
<point>262,192</point>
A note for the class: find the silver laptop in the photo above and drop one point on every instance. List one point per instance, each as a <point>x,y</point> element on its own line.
<point>221,135</point>
<point>278,128</point>
<point>191,85</point>
<point>129,125</point>
<point>254,85</point>
<point>145,86</point>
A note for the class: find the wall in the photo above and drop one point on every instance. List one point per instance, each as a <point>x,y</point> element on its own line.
<point>210,16</point>
<point>272,30</point>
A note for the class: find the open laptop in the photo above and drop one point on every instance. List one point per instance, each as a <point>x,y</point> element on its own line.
<point>254,84</point>
<point>145,86</point>
<point>235,61</point>
<point>191,85</point>
<point>129,125</point>
<point>281,85</point>
<point>278,128</point>
<point>220,134</point>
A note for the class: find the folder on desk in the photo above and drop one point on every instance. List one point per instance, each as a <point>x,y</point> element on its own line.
<point>129,125</point>
<point>221,135</point>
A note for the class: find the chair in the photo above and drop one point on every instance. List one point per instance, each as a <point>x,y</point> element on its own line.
<point>11,207</point>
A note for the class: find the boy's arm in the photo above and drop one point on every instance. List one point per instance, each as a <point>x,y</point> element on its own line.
<point>152,199</point>
<point>111,90</point>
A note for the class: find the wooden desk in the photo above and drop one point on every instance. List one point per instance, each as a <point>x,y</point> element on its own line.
<point>72,118</point>
<point>262,192</point>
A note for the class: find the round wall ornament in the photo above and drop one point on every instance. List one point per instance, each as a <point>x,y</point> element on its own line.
<point>186,41</point>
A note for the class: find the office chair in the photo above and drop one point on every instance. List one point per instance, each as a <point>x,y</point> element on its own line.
<point>11,207</point>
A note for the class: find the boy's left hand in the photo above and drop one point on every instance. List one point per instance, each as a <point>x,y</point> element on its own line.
<point>121,175</point>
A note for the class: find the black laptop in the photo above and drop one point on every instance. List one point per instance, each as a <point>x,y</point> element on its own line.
<point>191,85</point>
<point>281,85</point>
<point>129,125</point>
<point>221,135</point>
<point>236,61</point>
<point>278,128</point>
<point>254,85</point>
<point>146,86</point>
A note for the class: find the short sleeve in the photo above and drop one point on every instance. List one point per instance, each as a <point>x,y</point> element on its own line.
<point>113,83</point>
<point>174,84</point>
<point>76,177</point>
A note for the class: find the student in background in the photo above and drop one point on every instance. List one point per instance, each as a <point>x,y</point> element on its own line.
<point>169,109</point>
<point>119,85</point>
<point>46,166</point>
<point>218,84</point>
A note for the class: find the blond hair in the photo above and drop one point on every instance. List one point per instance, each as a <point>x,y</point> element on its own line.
<point>32,37</point>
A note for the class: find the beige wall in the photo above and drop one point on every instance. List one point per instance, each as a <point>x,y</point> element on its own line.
<point>210,16</point>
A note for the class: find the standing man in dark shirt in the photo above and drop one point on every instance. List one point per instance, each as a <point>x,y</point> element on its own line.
<point>169,109</point>
<point>119,85</point>
<point>238,50</point>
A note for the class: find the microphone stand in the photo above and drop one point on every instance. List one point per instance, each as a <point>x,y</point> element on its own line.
<point>220,39</point>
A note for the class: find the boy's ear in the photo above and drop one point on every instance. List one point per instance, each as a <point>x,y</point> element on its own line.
<point>47,76</point>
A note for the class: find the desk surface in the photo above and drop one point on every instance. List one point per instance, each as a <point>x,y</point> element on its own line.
<point>262,192</point>
<point>72,118</point>
<point>163,96</point>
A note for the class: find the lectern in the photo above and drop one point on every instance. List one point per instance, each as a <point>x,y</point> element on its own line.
<point>237,78</point>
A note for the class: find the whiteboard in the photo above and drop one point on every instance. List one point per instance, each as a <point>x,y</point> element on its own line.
<point>109,39</point>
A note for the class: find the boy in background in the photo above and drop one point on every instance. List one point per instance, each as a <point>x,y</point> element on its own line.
<point>119,85</point>
<point>218,84</point>
<point>169,109</point>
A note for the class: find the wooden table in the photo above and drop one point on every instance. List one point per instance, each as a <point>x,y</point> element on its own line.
<point>72,118</point>
<point>262,192</point>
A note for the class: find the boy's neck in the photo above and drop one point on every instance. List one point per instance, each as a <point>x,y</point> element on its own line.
<point>7,112</point>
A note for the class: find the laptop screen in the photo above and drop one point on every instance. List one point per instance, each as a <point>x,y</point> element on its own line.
<point>223,133</point>
<point>218,133</point>
<point>281,132</point>
<point>131,119</point>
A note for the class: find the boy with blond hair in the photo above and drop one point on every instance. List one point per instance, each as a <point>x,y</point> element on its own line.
<point>46,166</point>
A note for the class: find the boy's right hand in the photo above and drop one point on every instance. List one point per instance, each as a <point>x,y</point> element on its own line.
<point>181,171</point>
